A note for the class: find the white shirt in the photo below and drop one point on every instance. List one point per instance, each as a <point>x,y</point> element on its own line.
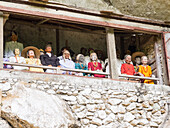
<point>67,63</point>
<point>49,54</point>
<point>18,60</point>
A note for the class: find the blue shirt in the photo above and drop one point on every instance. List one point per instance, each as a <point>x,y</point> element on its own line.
<point>78,66</point>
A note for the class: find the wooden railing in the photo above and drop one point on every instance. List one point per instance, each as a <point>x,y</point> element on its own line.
<point>79,71</point>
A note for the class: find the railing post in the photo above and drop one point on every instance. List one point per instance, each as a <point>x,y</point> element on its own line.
<point>111,51</point>
<point>1,39</point>
<point>158,65</point>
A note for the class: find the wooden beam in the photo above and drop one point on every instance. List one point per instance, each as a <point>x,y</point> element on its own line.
<point>111,50</point>
<point>5,17</point>
<point>158,65</point>
<point>1,38</point>
<point>70,25</point>
<point>77,70</point>
<point>50,26</point>
<point>43,21</point>
<point>139,77</point>
<point>57,42</point>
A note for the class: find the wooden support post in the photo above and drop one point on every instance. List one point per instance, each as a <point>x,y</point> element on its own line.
<point>158,63</point>
<point>0,101</point>
<point>111,50</point>
<point>1,39</point>
<point>57,42</point>
<point>5,16</point>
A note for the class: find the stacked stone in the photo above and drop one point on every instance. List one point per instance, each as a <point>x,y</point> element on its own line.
<point>6,85</point>
<point>116,104</point>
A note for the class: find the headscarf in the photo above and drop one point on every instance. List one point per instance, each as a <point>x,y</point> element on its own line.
<point>66,51</point>
<point>81,59</point>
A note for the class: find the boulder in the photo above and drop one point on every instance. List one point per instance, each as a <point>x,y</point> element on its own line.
<point>4,124</point>
<point>27,107</point>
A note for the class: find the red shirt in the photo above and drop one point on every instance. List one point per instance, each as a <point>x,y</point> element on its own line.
<point>127,69</point>
<point>94,67</point>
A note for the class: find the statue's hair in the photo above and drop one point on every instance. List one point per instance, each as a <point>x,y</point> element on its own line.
<point>30,50</point>
<point>14,50</point>
<point>91,55</point>
<point>14,33</point>
<point>80,58</point>
<point>126,56</point>
<point>143,57</point>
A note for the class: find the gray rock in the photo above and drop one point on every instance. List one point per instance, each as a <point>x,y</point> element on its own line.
<point>36,108</point>
<point>96,121</point>
<point>40,82</point>
<point>85,121</point>
<point>81,114</point>
<point>114,101</point>
<point>4,124</point>
<point>146,104</point>
<point>5,87</point>
<point>15,80</point>
<point>156,106</point>
<point>95,95</point>
<point>50,91</point>
<point>153,124</point>
<point>101,114</point>
<point>109,119</point>
<point>91,108</point>
<point>68,98</point>
<point>134,122</point>
<point>128,117</point>
<point>143,121</point>
<point>131,107</point>
<point>46,86</point>
<point>114,109</point>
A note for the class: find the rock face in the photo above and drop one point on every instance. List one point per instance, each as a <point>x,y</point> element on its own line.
<point>33,108</point>
<point>153,9</point>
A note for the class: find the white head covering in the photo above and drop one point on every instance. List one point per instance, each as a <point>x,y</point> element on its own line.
<point>66,51</point>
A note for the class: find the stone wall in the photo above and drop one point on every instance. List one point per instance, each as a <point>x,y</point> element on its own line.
<point>99,103</point>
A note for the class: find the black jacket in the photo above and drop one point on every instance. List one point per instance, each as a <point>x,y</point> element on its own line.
<point>46,60</point>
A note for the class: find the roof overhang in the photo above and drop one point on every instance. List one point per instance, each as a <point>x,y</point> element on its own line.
<point>79,18</point>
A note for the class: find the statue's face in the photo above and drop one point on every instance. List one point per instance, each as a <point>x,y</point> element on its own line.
<point>84,51</point>
<point>67,55</point>
<point>48,49</point>
<point>137,60</point>
<point>100,55</point>
<point>17,52</point>
<point>128,59</point>
<point>144,60</point>
<point>31,53</point>
<point>93,56</point>
<point>14,37</point>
